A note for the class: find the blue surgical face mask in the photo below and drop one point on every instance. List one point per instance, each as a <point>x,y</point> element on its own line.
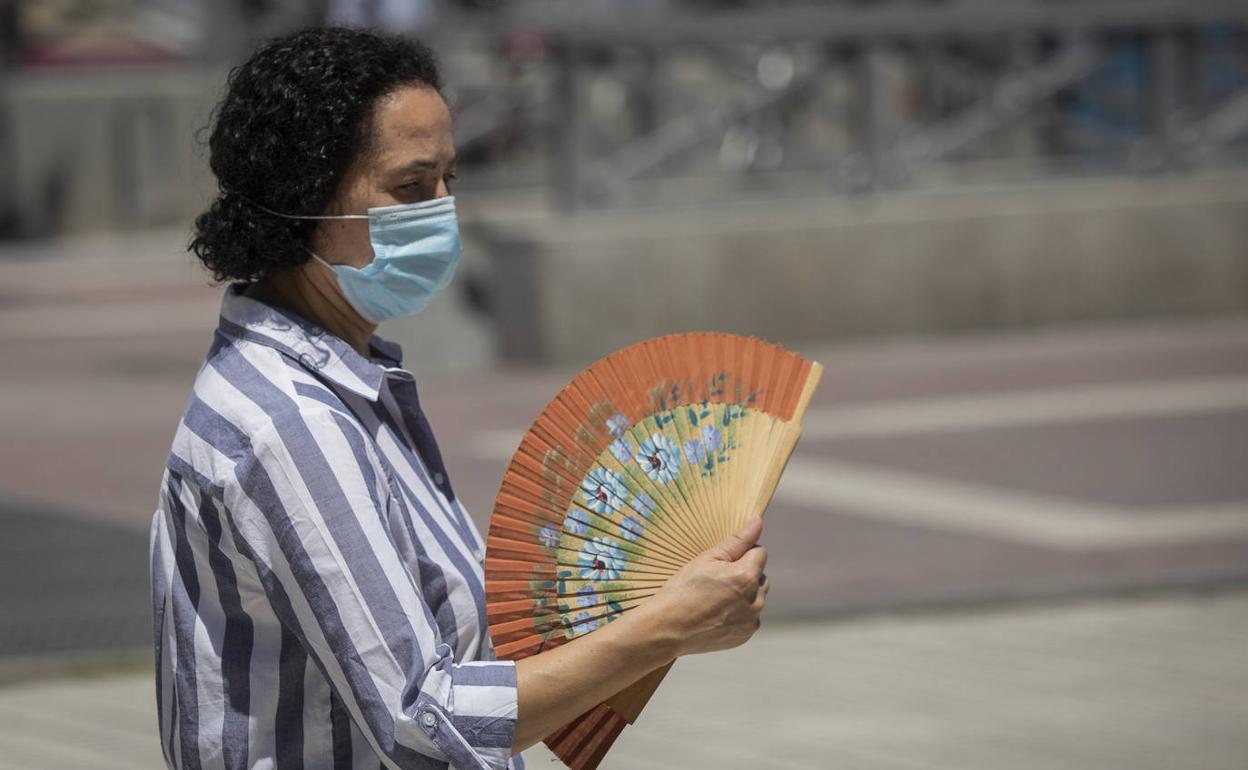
<point>415,252</point>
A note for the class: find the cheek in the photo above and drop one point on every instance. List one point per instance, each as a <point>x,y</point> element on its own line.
<point>348,242</point>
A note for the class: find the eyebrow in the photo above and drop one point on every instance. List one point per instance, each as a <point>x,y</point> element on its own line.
<point>420,164</point>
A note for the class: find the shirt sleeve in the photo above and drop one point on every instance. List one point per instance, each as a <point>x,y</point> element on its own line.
<point>311,500</point>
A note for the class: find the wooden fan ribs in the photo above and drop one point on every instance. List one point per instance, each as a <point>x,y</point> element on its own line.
<point>644,460</point>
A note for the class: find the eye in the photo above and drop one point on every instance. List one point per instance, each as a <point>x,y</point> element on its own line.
<point>448,179</point>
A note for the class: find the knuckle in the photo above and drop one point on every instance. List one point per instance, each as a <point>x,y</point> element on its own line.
<point>744,574</point>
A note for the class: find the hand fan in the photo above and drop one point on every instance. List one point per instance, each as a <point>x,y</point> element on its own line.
<point>649,457</point>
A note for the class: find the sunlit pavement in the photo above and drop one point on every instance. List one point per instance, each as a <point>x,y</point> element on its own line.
<point>961,472</point>
<point>1145,684</point>
<point>969,472</point>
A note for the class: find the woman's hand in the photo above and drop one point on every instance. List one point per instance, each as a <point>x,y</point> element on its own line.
<point>714,601</point>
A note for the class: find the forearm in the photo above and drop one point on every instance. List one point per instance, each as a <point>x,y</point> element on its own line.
<point>556,686</point>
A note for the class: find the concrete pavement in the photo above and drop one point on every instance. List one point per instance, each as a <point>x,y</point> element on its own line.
<point>1143,684</point>
<point>958,471</point>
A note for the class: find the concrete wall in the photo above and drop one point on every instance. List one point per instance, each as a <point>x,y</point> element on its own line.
<point>576,288</point>
<point>108,150</point>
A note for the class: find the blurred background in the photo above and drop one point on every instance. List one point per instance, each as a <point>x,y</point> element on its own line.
<point>1015,534</point>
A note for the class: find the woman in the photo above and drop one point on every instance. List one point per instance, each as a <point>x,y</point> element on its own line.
<point>317,586</point>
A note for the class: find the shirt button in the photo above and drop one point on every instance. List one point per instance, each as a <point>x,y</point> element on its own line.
<point>438,478</point>
<point>428,719</point>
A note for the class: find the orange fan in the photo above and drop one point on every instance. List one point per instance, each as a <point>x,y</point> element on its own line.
<point>649,457</point>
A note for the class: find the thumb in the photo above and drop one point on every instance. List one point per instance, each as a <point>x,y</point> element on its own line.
<point>735,545</point>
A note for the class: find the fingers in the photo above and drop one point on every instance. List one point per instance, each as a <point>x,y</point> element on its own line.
<point>760,598</point>
<point>738,543</point>
<point>748,572</point>
<point>755,559</point>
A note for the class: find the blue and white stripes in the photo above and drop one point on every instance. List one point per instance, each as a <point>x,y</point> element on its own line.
<point>317,588</point>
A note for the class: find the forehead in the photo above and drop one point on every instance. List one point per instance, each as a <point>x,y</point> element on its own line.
<point>412,121</point>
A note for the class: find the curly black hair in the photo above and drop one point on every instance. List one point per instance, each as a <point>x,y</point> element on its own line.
<point>295,116</point>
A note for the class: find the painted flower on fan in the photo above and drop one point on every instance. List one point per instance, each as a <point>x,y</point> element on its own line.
<point>577,521</point>
<point>600,559</point>
<point>630,528</point>
<point>643,504</point>
<point>586,596</point>
<point>617,424</point>
<point>548,535</point>
<point>604,491</point>
<point>659,458</point>
<point>710,437</point>
<point>622,450</point>
<point>694,452</point>
<point>583,623</point>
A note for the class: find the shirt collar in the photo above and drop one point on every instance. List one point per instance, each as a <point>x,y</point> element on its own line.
<point>309,344</point>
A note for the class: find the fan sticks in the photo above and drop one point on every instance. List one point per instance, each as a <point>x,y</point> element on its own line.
<point>644,460</point>
<point>585,620</point>
<point>517,535</point>
<point>521,513</point>
<point>585,740</point>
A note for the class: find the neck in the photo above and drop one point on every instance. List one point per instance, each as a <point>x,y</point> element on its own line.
<point>310,291</point>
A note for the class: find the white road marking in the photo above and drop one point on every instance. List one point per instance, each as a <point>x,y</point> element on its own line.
<point>985,511</point>
<point>1086,403</point>
<point>1043,520</point>
<point>1031,407</point>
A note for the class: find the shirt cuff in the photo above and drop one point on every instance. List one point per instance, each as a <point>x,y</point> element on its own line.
<point>471,714</point>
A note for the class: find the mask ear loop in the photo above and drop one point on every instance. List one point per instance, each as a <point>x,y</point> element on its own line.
<point>317,257</point>
<point>314,255</point>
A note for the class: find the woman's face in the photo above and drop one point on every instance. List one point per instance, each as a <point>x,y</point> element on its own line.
<point>412,159</point>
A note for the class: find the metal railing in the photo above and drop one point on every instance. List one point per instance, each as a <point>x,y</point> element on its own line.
<point>1044,53</point>
<point>888,91</point>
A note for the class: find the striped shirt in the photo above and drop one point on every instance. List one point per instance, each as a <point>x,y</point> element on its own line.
<point>317,588</point>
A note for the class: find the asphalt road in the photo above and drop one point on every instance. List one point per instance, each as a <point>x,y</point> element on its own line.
<point>1090,459</point>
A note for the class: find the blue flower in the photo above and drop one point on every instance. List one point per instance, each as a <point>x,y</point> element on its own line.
<point>583,623</point>
<point>659,458</point>
<point>548,535</point>
<point>643,504</point>
<point>630,528</point>
<point>617,424</point>
<point>622,450</point>
<point>604,491</point>
<point>586,596</point>
<point>694,452</point>
<point>710,437</point>
<point>600,559</point>
<point>576,522</point>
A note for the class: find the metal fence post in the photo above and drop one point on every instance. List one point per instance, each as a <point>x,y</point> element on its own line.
<point>868,122</point>
<point>1163,105</point>
<point>565,139</point>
